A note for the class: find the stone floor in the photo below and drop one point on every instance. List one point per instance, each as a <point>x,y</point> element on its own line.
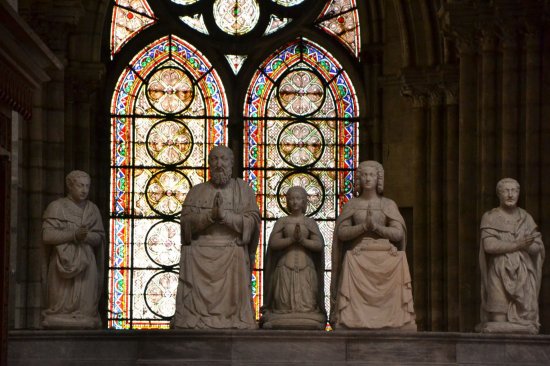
<point>262,347</point>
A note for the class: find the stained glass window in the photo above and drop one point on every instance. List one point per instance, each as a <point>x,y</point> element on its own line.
<point>129,18</point>
<point>340,19</point>
<point>168,109</point>
<point>301,128</point>
<point>236,17</point>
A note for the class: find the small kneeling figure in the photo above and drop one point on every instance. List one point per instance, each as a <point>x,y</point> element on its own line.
<point>294,270</point>
<point>371,282</point>
<point>73,233</point>
<point>510,258</point>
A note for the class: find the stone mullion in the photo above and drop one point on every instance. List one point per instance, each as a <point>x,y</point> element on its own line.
<point>488,139</point>
<point>531,184</point>
<point>452,291</point>
<point>510,104</point>
<point>435,217</point>
<point>467,184</point>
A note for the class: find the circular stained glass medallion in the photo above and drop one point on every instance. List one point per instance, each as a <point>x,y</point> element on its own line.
<point>236,17</point>
<point>169,142</point>
<point>166,191</point>
<point>160,294</point>
<point>300,144</point>
<point>312,185</point>
<point>170,90</point>
<point>163,243</point>
<point>287,2</point>
<point>301,92</point>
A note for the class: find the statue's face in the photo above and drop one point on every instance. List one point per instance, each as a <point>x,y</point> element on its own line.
<point>368,178</point>
<point>508,195</point>
<point>221,165</point>
<point>79,189</point>
<point>295,201</point>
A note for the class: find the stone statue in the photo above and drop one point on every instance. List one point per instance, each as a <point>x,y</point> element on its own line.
<point>371,283</point>
<point>220,223</point>
<point>73,234</point>
<point>510,258</point>
<point>294,270</point>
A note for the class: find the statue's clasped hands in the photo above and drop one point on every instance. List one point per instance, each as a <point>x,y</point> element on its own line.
<point>298,238</point>
<point>218,213</point>
<point>81,233</point>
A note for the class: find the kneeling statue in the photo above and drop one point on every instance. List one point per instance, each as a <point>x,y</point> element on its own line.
<point>510,258</point>
<point>294,270</point>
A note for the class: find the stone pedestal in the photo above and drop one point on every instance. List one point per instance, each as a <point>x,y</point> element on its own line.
<point>263,347</point>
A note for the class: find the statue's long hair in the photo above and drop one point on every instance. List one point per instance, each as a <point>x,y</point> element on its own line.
<point>380,173</point>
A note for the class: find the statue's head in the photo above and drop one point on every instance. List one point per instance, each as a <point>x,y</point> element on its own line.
<point>220,161</point>
<point>508,192</point>
<point>296,199</point>
<point>369,175</point>
<point>78,185</point>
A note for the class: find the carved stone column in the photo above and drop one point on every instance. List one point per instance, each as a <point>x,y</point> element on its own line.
<point>488,136</point>
<point>452,294</point>
<point>467,183</point>
<point>510,103</point>
<point>531,185</point>
<point>419,263</point>
<point>435,208</point>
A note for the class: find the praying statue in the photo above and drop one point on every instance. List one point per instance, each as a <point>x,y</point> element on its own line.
<point>294,270</point>
<point>73,235</point>
<point>371,282</point>
<point>510,258</point>
<point>220,223</point>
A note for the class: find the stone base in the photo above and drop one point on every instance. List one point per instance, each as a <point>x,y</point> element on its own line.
<point>507,328</point>
<point>272,347</point>
<point>68,321</point>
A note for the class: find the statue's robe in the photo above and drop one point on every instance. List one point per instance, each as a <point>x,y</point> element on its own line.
<point>74,268</point>
<point>214,289</point>
<point>510,282</point>
<point>370,287</point>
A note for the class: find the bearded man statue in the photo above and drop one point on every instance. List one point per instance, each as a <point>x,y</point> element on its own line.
<point>220,223</point>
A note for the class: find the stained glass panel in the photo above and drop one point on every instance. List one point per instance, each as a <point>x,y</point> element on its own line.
<point>196,22</point>
<point>301,128</point>
<point>236,62</point>
<point>129,18</point>
<point>288,2</point>
<point>340,19</point>
<point>276,23</point>
<point>168,109</point>
<point>236,17</point>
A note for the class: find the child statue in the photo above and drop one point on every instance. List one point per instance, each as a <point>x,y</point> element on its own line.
<point>294,270</point>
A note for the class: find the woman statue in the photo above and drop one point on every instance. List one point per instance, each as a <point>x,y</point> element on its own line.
<point>371,283</point>
<point>294,265</point>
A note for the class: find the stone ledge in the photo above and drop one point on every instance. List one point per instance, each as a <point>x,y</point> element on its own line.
<point>273,347</point>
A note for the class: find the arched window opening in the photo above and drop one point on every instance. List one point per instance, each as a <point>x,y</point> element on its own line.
<point>301,128</point>
<point>168,109</point>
